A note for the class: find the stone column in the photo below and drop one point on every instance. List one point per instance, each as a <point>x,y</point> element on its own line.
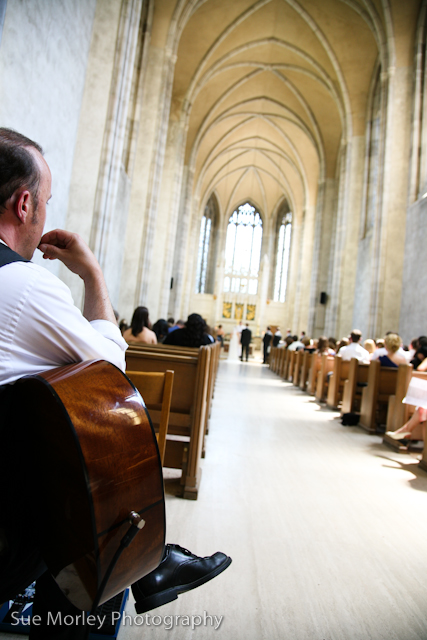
<point>108,180</point>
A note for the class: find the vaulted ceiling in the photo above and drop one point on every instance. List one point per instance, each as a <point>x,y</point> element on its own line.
<point>270,90</point>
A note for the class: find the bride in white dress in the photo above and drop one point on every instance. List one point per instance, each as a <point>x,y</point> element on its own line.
<point>233,349</point>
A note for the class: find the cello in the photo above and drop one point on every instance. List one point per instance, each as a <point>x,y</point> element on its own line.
<point>98,476</point>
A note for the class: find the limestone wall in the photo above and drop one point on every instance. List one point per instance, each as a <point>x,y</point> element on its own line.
<point>43,58</point>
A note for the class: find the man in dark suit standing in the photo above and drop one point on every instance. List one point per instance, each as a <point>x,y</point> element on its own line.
<point>245,341</point>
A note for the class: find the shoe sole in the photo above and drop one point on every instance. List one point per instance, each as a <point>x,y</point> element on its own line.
<point>159,599</point>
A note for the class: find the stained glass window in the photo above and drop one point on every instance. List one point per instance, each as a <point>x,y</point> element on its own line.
<point>243,250</point>
<point>205,257</point>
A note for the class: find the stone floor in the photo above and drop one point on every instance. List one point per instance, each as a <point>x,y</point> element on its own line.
<point>326,526</point>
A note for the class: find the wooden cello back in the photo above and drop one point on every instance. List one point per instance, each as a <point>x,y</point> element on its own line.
<point>96,461</point>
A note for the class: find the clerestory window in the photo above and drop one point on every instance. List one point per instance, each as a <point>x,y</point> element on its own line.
<point>243,250</point>
<point>284,231</point>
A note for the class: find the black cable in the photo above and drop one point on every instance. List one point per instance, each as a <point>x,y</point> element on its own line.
<point>137,524</point>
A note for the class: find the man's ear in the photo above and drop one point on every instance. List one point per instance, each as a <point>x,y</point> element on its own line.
<point>22,205</point>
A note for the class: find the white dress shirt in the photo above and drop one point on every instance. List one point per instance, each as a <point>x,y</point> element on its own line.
<point>354,350</point>
<point>41,328</point>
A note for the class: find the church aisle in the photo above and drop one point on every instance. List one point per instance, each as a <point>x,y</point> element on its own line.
<point>325,525</point>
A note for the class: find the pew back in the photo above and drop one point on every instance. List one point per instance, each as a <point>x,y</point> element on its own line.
<point>305,369</point>
<point>381,385</point>
<point>339,375</point>
<point>353,386</point>
<point>189,404</point>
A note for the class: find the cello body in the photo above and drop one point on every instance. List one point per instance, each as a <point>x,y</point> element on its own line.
<point>96,459</point>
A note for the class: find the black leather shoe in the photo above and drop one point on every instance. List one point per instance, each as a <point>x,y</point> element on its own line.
<point>179,571</point>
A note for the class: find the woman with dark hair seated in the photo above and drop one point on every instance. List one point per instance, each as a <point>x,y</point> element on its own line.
<point>140,328</point>
<point>194,334</point>
<point>161,329</point>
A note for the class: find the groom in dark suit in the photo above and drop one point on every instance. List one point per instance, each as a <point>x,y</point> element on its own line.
<point>245,341</point>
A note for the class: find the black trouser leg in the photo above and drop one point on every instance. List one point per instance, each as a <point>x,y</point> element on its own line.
<point>54,617</point>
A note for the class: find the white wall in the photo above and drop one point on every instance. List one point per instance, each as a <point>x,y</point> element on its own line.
<point>43,57</point>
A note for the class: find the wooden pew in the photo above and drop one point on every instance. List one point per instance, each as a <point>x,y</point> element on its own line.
<point>291,363</point>
<point>382,383</point>
<point>326,366</point>
<point>213,369</point>
<point>336,382</point>
<point>156,390</point>
<point>316,362</point>
<point>272,358</point>
<point>353,386</point>
<point>297,367</point>
<point>281,360</point>
<point>284,363</point>
<point>189,405</point>
<point>305,369</point>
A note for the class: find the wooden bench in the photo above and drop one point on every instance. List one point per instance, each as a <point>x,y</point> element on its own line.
<point>281,361</point>
<point>353,386</point>
<point>381,385</point>
<point>316,362</point>
<point>337,380</point>
<point>326,367</point>
<point>272,359</point>
<point>305,369</point>
<point>156,390</point>
<point>284,362</point>
<point>213,369</point>
<point>289,372</point>
<point>189,407</point>
<point>297,367</point>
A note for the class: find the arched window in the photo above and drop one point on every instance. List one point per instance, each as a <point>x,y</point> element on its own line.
<point>207,248</point>
<point>284,230</point>
<point>243,250</point>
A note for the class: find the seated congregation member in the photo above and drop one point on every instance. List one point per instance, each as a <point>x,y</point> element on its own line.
<point>277,337</point>
<point>382,350</point>
<point>418,352</point>
<point>344,342</point>
<point>370,346</point>
<point>296,345</point>
<point>161,329</point>
<point>333,344</point>
<point>308,345</point>
<point>140,328</point>
<point>220,333</point>
<point>323,347</point>
<point>43,329</point>
<point>179,324</point>
<point>392,357</point>
<point>354,349</point>
<point>418,417</point>
<point>194,334</point>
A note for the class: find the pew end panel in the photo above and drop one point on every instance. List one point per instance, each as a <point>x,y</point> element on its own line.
<point>337,380</point>
<point>382,383</point>
<point>187,418</point>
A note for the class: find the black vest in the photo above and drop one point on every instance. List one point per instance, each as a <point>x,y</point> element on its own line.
<point>7,256</point>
